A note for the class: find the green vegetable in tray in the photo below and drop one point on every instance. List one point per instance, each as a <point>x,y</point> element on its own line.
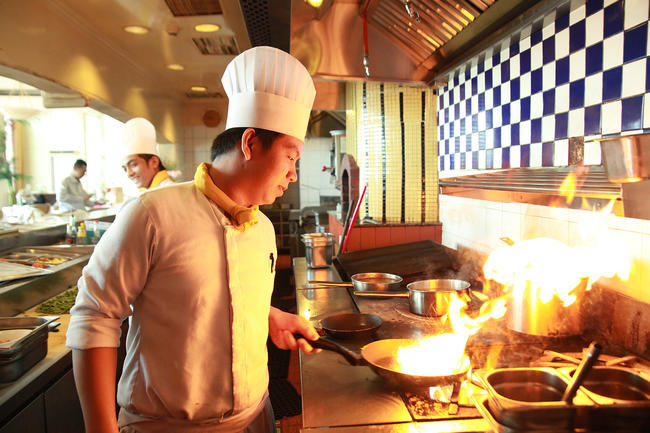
<point>59,305</point>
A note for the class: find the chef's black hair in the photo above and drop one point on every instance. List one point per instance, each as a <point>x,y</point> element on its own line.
<point>148,156</point>
<point>231,137</point>
<point>80,163</point>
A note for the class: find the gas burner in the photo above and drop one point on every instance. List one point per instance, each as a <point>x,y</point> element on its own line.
<point>444,402</point>
<point>403,309</point>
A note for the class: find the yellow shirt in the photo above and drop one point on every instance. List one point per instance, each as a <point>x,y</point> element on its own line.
<point>161,178</point>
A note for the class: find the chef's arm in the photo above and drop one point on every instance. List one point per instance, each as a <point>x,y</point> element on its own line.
<point>283,325</point>
<point>94,374</point>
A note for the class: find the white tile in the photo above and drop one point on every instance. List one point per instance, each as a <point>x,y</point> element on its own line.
<point>481,159</point>
<point>474,142</point>
<point>468,89</point>
<point>577,65</point>
<point>561,156</point>
<point>496,76</point>
<point>515,111</point>
<point>536,57</point>
<point>594,28</point>
<point>505,94</point>
<point>646,110</point>
<point>636,12</point>
<point>577,14</point>
<point>480,83</point>
<point>562,44</point>
<point>474,102</point>
<point>524,132</point>
<point>611,117</point>
<point>488,62</point>
<point>489,103</point>
<point>489,140</point>
<point>524,85</point>
<point>505,54</point>
<point>514,66</point>
<point>613,51</point>
<point>592,153</point>
<point>462,110</point>
<point>473,70</point>
<point>548,76</point>
<point>536,227</point>
<point>536,105</point>
<point>548,31</point>
<point>577,123</point>
<point>481,121</point>
<point>515,156</point>
<point>562,98</point>
<point>632,83</point>
<point>496,117</point>
<point>456,93</point>
<point>505,136</point>
<point>548,128</point>
<point>594,89</point>
<point>609,2</point>
<point>497,157</point>
<point>511,226</point>
<point>536,154</point>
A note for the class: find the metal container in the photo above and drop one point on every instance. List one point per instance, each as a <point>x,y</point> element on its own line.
<point>376,281</point>
<point>626,159</point>
<point>20,354</point>
<point>432,297</point>
<point>319,248</point>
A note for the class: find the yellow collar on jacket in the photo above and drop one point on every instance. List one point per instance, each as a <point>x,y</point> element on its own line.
<point>242,217</point>
<point>158,179</point>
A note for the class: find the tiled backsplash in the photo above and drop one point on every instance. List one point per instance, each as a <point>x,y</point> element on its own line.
<point>579,71</point>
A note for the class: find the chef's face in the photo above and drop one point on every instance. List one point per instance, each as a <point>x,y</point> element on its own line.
<point>276,167</point>
<point>139,170</point>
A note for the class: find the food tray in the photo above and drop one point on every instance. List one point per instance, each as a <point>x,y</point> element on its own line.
<point>13,271</point>
<point>24,349</point>
<point>481,403</point>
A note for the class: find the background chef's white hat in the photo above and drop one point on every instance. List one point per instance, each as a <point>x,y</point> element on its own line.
<point>268,88</point>
<point>138,136</point>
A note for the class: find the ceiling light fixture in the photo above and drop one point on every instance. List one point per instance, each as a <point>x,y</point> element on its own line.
<point>315,3</point>
<point>175,67</point>
<point>206,28</point>
<point>136,30</point>
<point>198,89</point>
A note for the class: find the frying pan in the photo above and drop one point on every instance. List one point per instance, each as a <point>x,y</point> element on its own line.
<point>350,325</point>
<point>373,281</point>
<point>381,357</point>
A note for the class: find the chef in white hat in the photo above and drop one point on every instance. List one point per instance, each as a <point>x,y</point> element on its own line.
<point>193,265</point>
<point>140,159</point>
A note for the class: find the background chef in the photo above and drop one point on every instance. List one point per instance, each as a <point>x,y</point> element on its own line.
<point>196,279</point>
<point>140,159</point>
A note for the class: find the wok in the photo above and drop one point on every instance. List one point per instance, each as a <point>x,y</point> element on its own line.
<point>381,357</point>
<point>368,281</point>
<point>350,325</point>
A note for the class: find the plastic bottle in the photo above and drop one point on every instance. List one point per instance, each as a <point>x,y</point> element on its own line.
<point>81,234</point>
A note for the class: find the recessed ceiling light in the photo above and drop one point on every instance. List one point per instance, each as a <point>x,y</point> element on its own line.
<point>136,30</point>
<point>315,3</point>
<point>175,67</point>
<point>198,89</point>
<point>206,28</point>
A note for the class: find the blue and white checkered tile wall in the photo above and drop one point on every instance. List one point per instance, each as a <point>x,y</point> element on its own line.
<point>582,70</point>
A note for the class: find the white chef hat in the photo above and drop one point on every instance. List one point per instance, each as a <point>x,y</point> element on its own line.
<point>268,88</point>
<point>138,137</point>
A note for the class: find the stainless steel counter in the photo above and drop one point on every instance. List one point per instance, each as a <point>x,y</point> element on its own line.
<point>344,398</point>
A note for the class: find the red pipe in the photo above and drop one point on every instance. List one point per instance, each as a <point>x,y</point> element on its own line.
<point>354,218</point>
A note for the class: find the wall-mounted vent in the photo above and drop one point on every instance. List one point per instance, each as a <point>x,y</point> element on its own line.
<point>185,8</point>
<point>203,95</point>
<point>218,45</point>
<point>268,22</point>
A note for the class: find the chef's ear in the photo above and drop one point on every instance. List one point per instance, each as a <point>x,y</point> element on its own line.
<point>247,143</point>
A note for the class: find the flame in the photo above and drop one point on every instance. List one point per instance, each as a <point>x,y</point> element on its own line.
<point>568,187</point>
<point>444,354</point>
<point>306,313</point>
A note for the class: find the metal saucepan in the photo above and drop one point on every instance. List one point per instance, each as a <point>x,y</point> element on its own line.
<point>350,325</point>
<point>368,281</point>
<point>381,357</point>
<point>428,298</point>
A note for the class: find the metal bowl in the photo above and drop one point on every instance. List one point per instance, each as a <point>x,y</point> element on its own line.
<point>376,282</point>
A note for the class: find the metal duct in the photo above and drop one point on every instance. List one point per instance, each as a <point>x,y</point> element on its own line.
<point>268,22</point>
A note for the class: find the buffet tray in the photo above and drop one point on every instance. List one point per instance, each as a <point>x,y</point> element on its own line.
<point>22,350</point>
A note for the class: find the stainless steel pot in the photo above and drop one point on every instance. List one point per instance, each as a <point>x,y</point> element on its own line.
<point>368,281</point>
<point>430,298</point>
<point>319,248</point>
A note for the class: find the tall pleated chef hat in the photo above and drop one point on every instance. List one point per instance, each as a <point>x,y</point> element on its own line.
<point>138,137</point>
<point>268,88</point>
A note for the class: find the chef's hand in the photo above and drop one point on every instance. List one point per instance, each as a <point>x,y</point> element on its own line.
<point>283,325</point>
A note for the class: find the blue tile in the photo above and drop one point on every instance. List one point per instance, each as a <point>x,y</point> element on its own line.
<point>488,79</point>
<point>505,157</point>
<point>577,36</point>
<point>442,164</point>
<point>489,158</point>
<point>514,49</point>
<point>548,50</point>
<point>593,6</point>
<point>549,102</point>
<point>514,134</point>
<point>462,126</point>
<point>456,80</point>
<point>452,162</point>
<point>488,119</point>
<point>632,113</point>
<point>446,115</point>
<point>592,120</point>
<point>536,38</point>
<point>524,155</point>
<point>451,129</point>
<point>562,71</point>
<point>462,161</point>
<point>505,114</point>
<point>548,150</point>
<point>561,125</point>
<point>635,42</point>
<point>474,159</point>
<point>497,137</point>
<point>481,66</point>
<point>456,144</point>
<point>451,99</point>
<point>612,82</point>
<point>536,81</point>
<point>467,72</point>
<point>441,134</point>
<point>577,94</point>
<point>525,108</point>
<point>481,102</point>
<point>468,106</point>
<point>481,140</point>
<point>474,123</point>
<point>514,89</point>
<point>536,130</point>
<point>496,59</point>
<point>456,111</point>
<point>496,96</point>
<point>594,59</point>
<point>524,62</point>
<point>462,92</point>
<point>505,71</point>
<point>613,20</point>
<point>561,23</point>
<point>474,86</point>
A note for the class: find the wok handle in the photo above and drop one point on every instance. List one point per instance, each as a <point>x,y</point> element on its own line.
<point>330,283</point>
<point>382,294</point>
<point>326,343</point>
<point>581,372</point>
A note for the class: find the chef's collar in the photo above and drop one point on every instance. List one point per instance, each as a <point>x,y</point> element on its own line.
<point>158,179</point>
<point>241,216</point>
